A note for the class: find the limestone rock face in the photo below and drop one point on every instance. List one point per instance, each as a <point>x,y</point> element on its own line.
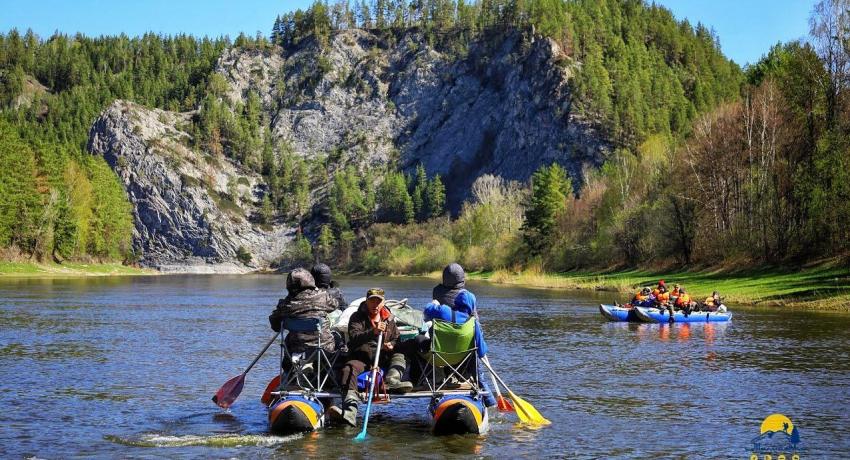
<point>192,211</point>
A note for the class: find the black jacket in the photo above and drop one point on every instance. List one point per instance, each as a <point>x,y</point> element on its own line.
<point>454,281</point>
<point>336,297</point>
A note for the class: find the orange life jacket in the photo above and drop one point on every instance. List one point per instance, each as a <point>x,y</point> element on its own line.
<point>663,297</point>
<point>639,297</point>
<point>683,300</point>
<point>655,292</point>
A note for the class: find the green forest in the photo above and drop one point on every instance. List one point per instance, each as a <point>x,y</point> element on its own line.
<point>713,165</point>
<point>57,201</point>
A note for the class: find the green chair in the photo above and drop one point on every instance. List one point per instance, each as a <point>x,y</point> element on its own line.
<point>453,347</point>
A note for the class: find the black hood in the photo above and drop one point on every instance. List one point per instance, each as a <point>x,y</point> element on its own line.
<point>454,276</point>
<point>322,274</point>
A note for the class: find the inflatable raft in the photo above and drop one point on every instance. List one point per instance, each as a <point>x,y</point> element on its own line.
<point>618,313</point>
<point>653,315</point>
<point>299,406</point>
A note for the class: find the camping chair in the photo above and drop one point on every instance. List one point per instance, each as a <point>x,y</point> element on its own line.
<point>453,347</point>
<point>309,370</point>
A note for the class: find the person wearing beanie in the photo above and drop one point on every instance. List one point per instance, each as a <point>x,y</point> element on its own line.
<point>322,274</point>
<point>462,310</point>
<point>303,301</point>
<point>454,281</point>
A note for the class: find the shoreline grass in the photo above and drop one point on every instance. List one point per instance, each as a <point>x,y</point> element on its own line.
<point>813,289</point>
<point>68,270</point>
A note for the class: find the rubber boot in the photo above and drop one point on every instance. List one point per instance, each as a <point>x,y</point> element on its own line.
<point>349,407</point>
<point>394,382</point>
<point>348,412</point>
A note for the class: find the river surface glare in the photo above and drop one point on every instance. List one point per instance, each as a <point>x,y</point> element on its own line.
<point>126,367</point>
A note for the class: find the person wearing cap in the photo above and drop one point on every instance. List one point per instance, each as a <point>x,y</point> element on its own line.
<point>454,281</point>
<point>322,274</point>
<point>371,319</point>
<point>303,301</point>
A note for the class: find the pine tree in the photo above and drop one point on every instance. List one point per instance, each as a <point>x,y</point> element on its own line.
<point>436,201</point>
<point>394,202</point>
<point>550,187</point>
<point>325,243</point>
<point>418,195</point>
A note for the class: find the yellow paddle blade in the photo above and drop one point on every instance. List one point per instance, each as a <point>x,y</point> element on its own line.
<point>526,412</point>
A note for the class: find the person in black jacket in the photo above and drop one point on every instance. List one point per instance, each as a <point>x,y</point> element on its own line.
<point>322,274</point>
<point>454,281</point>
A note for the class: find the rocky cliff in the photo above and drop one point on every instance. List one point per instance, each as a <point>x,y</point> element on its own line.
<point>192,210</point>
<point>501,107</point>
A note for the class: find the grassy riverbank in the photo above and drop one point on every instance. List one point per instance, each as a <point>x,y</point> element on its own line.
<point>67,270</point>
<point>815,288</point>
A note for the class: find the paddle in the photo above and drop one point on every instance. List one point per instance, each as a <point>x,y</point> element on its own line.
<point>267,395</point>
<point>525,411</point>
<point>501,402</point>
<point>362,435</point>
<point>227,394</point>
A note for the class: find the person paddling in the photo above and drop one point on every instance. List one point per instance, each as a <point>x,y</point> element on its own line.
<point>463,309</point>
<point>370,320</point>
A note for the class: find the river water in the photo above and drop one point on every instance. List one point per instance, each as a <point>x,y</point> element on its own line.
<point>125,368</point>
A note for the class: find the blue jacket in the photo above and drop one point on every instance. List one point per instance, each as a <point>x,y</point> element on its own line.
<point>464,309</point>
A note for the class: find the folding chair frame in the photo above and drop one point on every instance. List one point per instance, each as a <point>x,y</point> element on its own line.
<point>295,374</point>
<point>430,367</point>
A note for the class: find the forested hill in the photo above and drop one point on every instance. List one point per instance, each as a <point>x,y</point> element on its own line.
<point>336,111</point>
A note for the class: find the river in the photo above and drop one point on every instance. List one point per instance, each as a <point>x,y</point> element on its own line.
<point>125,367</point>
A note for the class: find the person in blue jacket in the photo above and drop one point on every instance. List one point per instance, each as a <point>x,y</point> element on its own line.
<point>464,309</point>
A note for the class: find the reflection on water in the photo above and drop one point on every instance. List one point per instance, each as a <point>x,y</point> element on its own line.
<point>125,367</point>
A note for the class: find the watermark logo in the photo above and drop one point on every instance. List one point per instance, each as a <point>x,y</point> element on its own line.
<point>779,439</point>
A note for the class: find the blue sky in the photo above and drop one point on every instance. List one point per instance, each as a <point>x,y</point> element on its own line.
<point>747,28</point>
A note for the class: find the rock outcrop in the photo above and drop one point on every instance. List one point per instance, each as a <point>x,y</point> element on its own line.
<point>192,211</point>
<point>501,107</point>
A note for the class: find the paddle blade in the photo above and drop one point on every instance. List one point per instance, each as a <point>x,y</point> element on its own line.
<point>272,386</point>
<point>526,412</point>
<point>227,394</point>
<point>504,405</point>
<point>361,436</point>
